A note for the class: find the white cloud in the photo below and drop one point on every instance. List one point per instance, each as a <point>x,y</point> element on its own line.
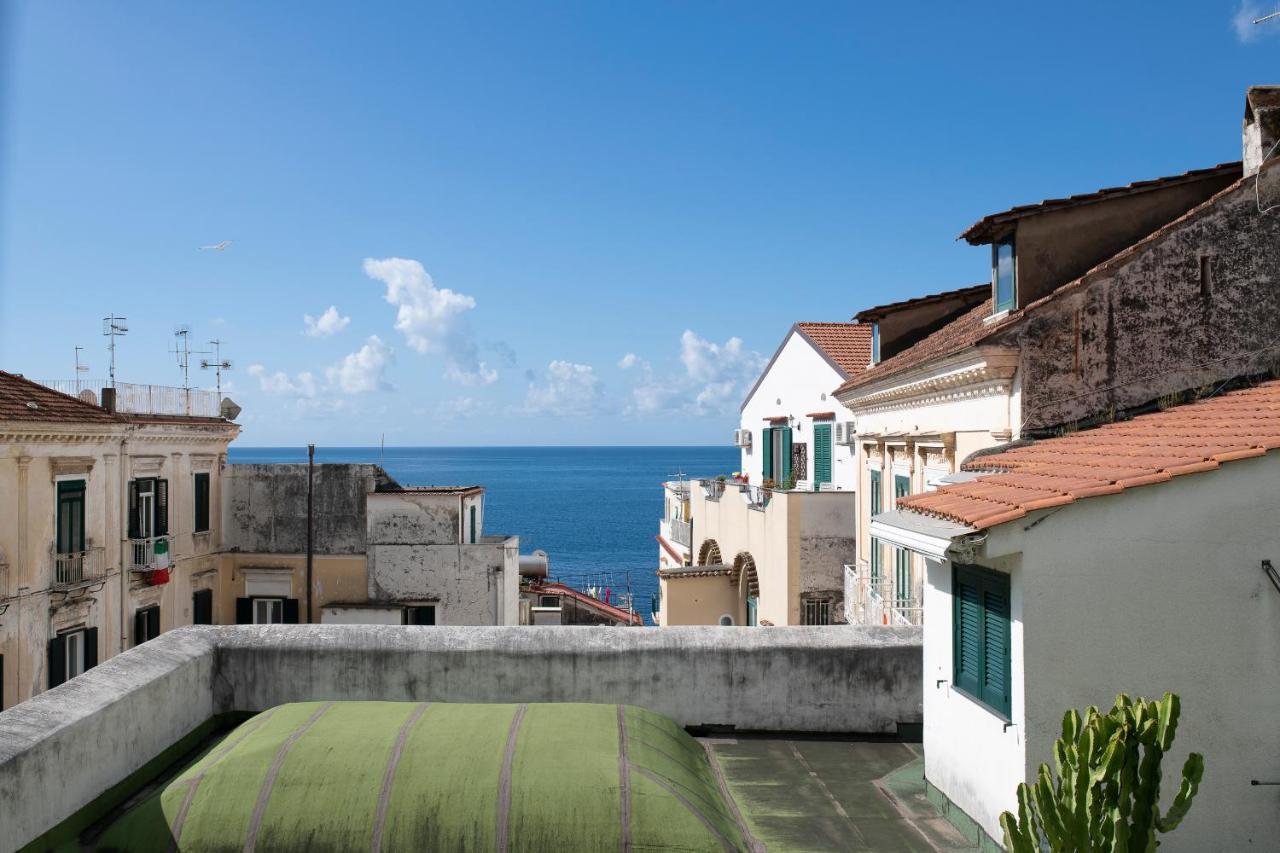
<point>566,390</point>
<point>628,361</point>
<point>302,385</point>
<point>432,319</point>
<point>1243,23</point>
<point>362,370</point>
<point>328,323</point>
<point>715,378</point>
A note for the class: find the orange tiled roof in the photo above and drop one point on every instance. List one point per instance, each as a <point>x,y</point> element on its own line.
<point>965,331</point>
<point>847,344</point>
<point>1109,459</point>
<point>24,400</point>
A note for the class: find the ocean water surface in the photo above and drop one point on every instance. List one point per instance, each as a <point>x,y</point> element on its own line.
<point>594,510</point>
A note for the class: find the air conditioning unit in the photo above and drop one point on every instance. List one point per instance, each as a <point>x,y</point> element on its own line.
<point>845,433</point>
<point>742,438</point>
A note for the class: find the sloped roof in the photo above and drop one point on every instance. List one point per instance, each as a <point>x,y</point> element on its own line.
<point>24,400</point>
<point>868,315</point>
<point>965,331</point>
<point>983,230</point>
<point>847,344</point>
<point>1149,449</point>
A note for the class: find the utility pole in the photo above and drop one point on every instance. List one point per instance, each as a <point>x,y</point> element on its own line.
<point>311,461</point>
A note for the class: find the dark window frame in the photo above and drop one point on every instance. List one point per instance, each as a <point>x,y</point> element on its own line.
<point>146,624</point>
<point>817,611</point>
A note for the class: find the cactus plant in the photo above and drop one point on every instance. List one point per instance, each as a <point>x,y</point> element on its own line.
<point>1106,796</point>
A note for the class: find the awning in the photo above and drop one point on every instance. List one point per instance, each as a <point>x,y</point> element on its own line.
<point>923,534</point>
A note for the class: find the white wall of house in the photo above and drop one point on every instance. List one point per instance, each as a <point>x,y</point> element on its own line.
<point>1158,588</point>
<point>799,382</point>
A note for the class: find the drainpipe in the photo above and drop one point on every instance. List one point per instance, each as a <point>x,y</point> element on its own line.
<point>311,460</point>
<point>123,531</point>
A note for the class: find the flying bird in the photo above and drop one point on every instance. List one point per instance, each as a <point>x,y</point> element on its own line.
<point>217,247</point>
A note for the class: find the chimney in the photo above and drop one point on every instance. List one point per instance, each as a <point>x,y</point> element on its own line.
<point>1261,126</point>
<point>109,399</point>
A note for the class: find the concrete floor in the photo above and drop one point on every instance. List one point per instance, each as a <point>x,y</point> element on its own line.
<point>834,795</point>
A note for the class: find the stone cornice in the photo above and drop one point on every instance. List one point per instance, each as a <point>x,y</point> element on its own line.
<point>973,372</point>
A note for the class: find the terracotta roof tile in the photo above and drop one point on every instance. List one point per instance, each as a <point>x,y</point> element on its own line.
<point>983,230</point>
<point>24,400</point>
<point>1107,460</point>
<point>964,331</point>
<point>847,344</point>
<point>964,294</point>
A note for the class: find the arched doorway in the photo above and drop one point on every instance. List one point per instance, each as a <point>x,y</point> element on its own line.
<point>709,554</point>
<point>743,575</point>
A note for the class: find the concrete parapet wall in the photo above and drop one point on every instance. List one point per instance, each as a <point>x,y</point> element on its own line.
<point>62,749</point>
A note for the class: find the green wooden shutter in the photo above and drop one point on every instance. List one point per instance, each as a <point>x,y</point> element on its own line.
<point>90,641</point>
<point>57,661</point>
<point>202,607</point>
<point>134,531</point>
<point>967,627</point>
<point>876,497</point>
<point>139,627</point>
<point>162,507</point>
<point>981,645</point>
<point>70,533</point>
<point>821,454</point>
<point>766,469</point>
<point>786,457</point>
<point>473,524</point>
<point>291,611</point>
<point>201,502</point>
<point>244,611</point>
<point>995,632</point>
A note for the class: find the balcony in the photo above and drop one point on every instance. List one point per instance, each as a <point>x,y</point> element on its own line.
<point>150,554</point>
<point>74,568</point>
<point>675,530</point>
<point>883,600</point>
<point>134,399</point>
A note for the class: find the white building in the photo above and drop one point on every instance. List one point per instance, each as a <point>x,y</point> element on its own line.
<point>1136,557</point>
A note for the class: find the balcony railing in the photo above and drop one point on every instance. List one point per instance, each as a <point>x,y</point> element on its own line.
<point>152,553</point>
<point>883,600</point>
<point>681,531</point>
<point>72,568</point>
<point>756,497</point>
<point>143,399</point>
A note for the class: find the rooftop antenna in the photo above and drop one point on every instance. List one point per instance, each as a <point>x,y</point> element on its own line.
<point>80,368</point>
<point>182,351</point>
<point>218,364</point>
<point>114,327</point>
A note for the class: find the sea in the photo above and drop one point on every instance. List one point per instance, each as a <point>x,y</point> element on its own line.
<point>594,510</point>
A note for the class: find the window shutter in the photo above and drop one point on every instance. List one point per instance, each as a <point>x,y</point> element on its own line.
<point>57,661</point>
<point>202,607</point>
<point>153,622</point>
<point>244,611</point>
<point>139,627</point>
<point>786,456</point>
<point>968,646</point>
<point>473,524</point>
<point>766,468</point>
<point>134,532</point>
<point>291,611</point>
<point>821,454</point>
<point>90,648</point>
<point>162,507</point>
<point>201,502</point>
<point>995,684</point>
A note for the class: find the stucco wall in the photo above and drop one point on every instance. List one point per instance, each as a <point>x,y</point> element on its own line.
<point>471,584</point>
<point>698,601</point>
<point>1154,589</point>
<point>1138,330</point>
<point>62,749</point>
<point>265,507</point>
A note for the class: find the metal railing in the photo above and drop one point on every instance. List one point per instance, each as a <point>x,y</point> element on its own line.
<point>76,567</point>
<point>757,497</point>
<point>144,555</point>
<point>713,489</point>
<point>681,531</point>
<point>142,399</point>
<point>882,600</point>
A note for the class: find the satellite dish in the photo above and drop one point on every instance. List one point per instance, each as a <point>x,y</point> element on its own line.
<point>229,410</point>
<point>88,396</point>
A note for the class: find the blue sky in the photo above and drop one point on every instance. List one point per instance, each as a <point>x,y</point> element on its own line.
<point>550,223</point>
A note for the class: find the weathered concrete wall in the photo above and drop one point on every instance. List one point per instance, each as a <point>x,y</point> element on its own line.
<point>265,507</point>
<point>468,583</point>
<point>414,518</point>
<point>1140,327</point>
<point>62,749</point>
<point>828,540</point>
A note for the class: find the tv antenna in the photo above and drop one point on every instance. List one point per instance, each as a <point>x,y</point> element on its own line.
<point>218,364</point>
<point>80,368</point>
<point>182,351</point>
<point>114,327</point>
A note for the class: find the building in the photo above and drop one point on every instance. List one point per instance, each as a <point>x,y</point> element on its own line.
<point>769,546</point>
<point>675,529</point>
<point>111,532</point>
<point>1134,558</point>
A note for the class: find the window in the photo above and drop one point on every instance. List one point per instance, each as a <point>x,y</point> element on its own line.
<point>268,611</point>
<point>548,601</point>
<point>71,653</point>
<point>424,614</point>
<point>70,516</point>
<point>875,510</point>
<point>202,607</point>
<point>473,524</point>
<point>146,624</point>
<point>821,455</point>
<point>1004,274</point>
<point>148,508</point>
<point>980,643</point>
<point>777,455</point>
<point>726,621</point>
<point>875,343</point>
<point>901,556</point>
<point>1206,276</point>
<point>817,611</point>
<point>201,503</point>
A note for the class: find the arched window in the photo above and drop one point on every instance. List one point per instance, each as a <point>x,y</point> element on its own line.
<point>709,554</point>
